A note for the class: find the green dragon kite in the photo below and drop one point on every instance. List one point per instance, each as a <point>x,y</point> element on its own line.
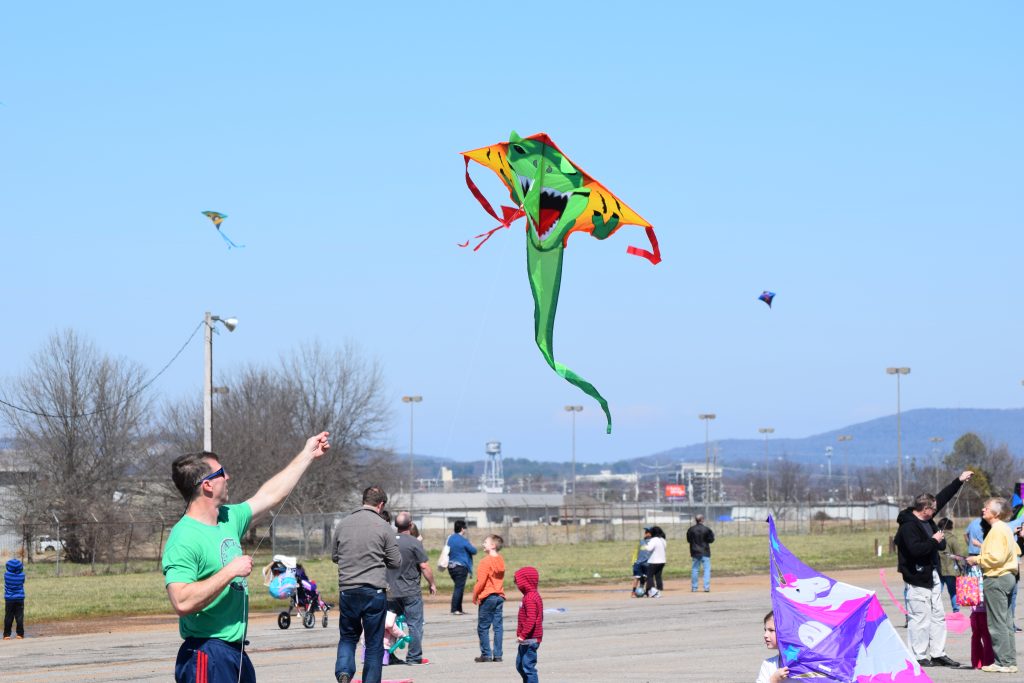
<point>557,198</point>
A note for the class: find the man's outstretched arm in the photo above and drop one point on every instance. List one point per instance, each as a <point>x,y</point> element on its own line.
<point>277,488</point>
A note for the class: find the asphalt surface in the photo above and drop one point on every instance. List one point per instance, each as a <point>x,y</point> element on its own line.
<point>603,635</point>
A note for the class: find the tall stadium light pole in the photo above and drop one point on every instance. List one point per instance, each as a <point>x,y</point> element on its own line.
<point>707,417</point>
<point>412,401</point>
<point>899,445</point>
<point>936,440</point>
<point>845,439</point>
<point>574,410</point>
<point>828,454</point>
<point>208,390</point>
<point>767,467</point>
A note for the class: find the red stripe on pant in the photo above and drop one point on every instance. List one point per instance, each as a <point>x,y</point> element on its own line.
<point>201,667</point>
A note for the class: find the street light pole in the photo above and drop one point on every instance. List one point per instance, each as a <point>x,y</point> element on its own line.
<point>411,400</point>
<point>936,440</point>
<point>574,410</point>
<point>843,439</point>
<point>899,445</point>
<point>767,468</point>
<point>707,417</point>
<point>208,390</point>
<point>828,454</point>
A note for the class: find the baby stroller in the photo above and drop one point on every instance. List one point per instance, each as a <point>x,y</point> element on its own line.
<point>287,580</point>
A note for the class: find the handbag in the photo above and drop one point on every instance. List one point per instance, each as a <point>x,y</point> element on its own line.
<point>442,561</point>
<point>969,588</point>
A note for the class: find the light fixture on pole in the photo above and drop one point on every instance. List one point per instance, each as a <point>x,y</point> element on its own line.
<point>574,410</point>
<point>208,390</point>
<point>767,466</point>
<point>707,417</point>
<point>411,400</point>
<point>899,445</point>
<point>844,439</point>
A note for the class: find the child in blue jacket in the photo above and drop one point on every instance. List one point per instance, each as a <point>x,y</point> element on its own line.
<point>14,598</point>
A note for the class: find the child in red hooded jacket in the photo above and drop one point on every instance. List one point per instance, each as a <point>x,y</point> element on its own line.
<point>530,629</point>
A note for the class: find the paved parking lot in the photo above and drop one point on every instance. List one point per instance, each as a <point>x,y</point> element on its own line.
<point>603,635</point>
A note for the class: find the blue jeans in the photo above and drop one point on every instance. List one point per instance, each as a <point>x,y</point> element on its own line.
<point>490,614</point>
<point>699,562</point>
<point>211,659</point>
<point>458,574</point>
<point>950,583</point>
<point>412,608</point>
<point>526,662</point>
<point>361,610</point>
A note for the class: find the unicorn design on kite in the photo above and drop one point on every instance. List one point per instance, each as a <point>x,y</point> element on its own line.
<point>557,198</point>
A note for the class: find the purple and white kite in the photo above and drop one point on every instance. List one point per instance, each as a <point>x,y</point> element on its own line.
<point>832,630</point>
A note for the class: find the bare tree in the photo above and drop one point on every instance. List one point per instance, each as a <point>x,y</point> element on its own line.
<point>790,482</point>
<point>268,412</point>
<point>82,424</point>
<point>254,429</point>
<point>341,391</point>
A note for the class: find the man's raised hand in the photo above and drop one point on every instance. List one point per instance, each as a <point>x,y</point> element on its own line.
<point>317,445</point>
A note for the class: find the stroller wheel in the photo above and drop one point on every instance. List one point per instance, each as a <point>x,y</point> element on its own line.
<point>324,620</point>
<point>284,620</point>
<point>309,619</point>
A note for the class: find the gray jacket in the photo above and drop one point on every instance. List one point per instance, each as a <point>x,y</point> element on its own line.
<point>364,548</point>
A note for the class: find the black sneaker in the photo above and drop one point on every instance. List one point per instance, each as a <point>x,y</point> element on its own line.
<point>927,661</point>
<point>481,658</point>
<point>944,660</point>
<point>496,659</point>
<point>344,678</point>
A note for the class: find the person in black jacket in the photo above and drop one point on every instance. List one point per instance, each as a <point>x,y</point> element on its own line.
<point>918,542</point>
<point>700,539</point>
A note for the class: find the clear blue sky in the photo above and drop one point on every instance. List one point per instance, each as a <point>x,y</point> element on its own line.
<point>862,160</point>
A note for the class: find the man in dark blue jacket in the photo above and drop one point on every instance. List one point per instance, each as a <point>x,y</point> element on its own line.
<point>14,598</point>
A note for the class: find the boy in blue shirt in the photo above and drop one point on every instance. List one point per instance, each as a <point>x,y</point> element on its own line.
<point>14,598</point>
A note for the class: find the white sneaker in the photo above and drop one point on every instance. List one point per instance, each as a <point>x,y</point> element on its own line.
<point>654,593</point>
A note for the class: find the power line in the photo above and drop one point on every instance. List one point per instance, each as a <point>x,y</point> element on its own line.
<point>111,405</point>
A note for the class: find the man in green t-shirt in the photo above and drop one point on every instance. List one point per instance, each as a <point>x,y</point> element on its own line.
<point>205,568</point>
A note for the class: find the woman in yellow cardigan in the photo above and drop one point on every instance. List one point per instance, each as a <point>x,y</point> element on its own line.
<point>998,561</point>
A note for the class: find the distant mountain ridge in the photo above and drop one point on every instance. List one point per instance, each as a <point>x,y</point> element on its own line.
<point>874,441</point>
<point>873,444</point>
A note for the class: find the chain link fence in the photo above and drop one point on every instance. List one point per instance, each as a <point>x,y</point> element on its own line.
<point>95,546</point>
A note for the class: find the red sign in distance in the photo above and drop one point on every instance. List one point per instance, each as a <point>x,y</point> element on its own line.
<point>675,491</point>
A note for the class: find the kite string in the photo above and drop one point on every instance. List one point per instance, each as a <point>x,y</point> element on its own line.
<point>475,349</point>
<point>245,603</point>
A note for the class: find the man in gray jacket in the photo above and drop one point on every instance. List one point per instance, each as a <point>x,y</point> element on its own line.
<point>364,548</point>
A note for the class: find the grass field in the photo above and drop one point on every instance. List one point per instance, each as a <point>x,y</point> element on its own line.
<point>80,594</point>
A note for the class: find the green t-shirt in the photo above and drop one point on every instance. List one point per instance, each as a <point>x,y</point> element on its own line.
<point>196,551</point>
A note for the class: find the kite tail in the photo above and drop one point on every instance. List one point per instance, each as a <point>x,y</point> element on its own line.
<point>228,240</point>
<point>545,270</point>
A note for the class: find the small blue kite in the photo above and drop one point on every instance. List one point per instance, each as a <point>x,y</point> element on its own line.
<point>767,297</point>
<point>218,218</point>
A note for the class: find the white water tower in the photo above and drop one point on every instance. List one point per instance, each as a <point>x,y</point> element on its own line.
<point>493,480</point>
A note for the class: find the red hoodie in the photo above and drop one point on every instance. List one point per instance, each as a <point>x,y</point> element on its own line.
<point>531,611</point>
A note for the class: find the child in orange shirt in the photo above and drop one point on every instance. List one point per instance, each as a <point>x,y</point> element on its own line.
<point>489,594</point>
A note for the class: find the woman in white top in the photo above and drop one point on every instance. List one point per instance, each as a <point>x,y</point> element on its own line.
<point>656,545</point>
<point>770,671</point>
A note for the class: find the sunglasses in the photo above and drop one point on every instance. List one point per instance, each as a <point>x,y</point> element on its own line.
<point>212,475</point>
